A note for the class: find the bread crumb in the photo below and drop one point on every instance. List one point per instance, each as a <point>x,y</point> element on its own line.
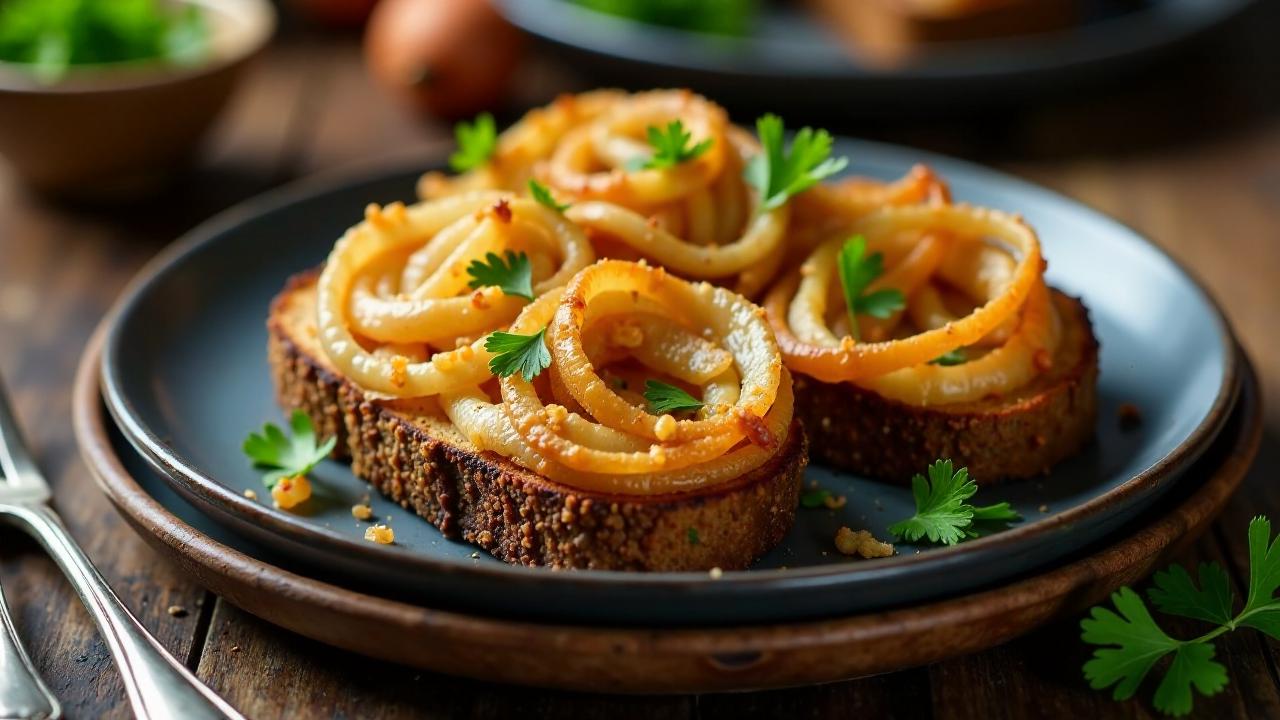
<point>177,611</point>
<point>1130,416</point>
<point>291,492</point>
<point>835,502</point>
<point>380,534</point>
<point>361,511</point>
<point>235,648</point>
<point>251,494</point>
<point>861,543</point>
<point>1043,508</point>
<point>715,573</point>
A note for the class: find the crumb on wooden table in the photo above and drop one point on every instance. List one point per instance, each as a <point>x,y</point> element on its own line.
<point>380,534</point>
<point>861,543</point>
<point>177,611</point>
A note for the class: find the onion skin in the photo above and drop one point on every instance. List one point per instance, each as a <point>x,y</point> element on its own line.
<point>447,58</point>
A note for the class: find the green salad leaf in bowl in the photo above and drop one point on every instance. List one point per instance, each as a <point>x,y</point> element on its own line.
<point>51,36</point>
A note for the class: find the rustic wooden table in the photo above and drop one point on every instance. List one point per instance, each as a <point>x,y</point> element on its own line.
<point>1188,154</point>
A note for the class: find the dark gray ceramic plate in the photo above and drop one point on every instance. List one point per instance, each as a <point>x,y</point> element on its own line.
<point>184,374</point>
<point>790,58</point>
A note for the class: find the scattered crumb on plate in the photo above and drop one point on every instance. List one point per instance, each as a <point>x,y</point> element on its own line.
<point>380,534</point>
<point>251,494</point>
<point>861,543</point>
<point>1129,415</point>
<point>291,492</point>
<point>715,573</point>
<point>361,511</point>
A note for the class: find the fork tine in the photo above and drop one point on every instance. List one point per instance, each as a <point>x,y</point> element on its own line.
<point>15,458</point>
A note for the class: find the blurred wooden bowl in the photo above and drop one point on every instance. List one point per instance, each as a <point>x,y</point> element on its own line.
<point>119,131</point>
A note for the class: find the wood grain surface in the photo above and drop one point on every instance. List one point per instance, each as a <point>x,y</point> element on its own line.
<point>1188,153</point>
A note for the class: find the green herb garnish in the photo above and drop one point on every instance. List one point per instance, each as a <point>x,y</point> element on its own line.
<point>514,353</point>
<point>943,514</point>
<point>50,36</point>
<point>1134,643</point>
<point>476,143</point>
<point>814,498</point>
<point>670,148</point>
<point>857,272</point>
<point>514,275</point>
<point>720,17</point>
<point>693,536</point>
<point>543,195</point>
<point>955,357</point>
<point>287,456</point>
<point>778,173</point>
<point>664,398</point>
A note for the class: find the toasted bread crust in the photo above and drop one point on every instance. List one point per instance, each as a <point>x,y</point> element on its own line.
<point>408,453</point>
<point>1019,436</point>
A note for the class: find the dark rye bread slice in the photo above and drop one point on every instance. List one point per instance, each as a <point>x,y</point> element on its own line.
<point>410,453</point>
<point>1012,437</point>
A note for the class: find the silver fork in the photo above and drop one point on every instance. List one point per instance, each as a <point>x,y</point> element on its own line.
<point>159,687</point>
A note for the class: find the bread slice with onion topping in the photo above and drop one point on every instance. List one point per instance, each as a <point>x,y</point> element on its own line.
<point>1018,435</point>
<point>410,452</point>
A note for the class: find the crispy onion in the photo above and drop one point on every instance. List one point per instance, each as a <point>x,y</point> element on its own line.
<point>972,279</point>
<point>395,313</point>
<point>617,320</point>
<point>698,218</point>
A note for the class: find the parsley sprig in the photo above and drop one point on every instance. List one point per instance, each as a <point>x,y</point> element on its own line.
<point>943,513</point>
<point>283,456</point>
<point>664,398</point>
<point>515,353</point>
<point>543,195</point>
<point>814,498</point>
<point>857,271</point>
<point>476,143</point>
<point>670,148</point>
<point>513,275</point>
<point>947,359</point>
<point>1132,642</point>
<point>779,172</point>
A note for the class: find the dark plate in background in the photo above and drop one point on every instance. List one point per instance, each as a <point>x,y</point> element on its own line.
<point>185,376</point>
<point>790,59</point>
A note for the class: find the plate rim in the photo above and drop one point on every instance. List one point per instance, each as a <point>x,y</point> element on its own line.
<point>210,490</point>
<point>1031,601</point>
<point>1179,21</point>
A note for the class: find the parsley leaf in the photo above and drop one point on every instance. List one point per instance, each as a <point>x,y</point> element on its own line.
<point>814,498</point>
<point>857,271</point>
<point>1176,593</point>
<point>779,173</point>
<point>514,276</point>
<point>693,536</point>
<point>664,398</point>
<point>285,456</point>
<point>1134,643</point>
<point>514,353</point>
<point>670,148</point>
<point>941,511</point>
<point>543,195</point>
<point>476,143</point>
<point>955,357</point>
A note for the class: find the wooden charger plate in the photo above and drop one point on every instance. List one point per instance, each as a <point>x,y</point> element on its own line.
<point>655,660</point>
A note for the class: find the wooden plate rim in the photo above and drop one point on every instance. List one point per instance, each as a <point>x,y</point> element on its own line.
<point>679,660</point>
